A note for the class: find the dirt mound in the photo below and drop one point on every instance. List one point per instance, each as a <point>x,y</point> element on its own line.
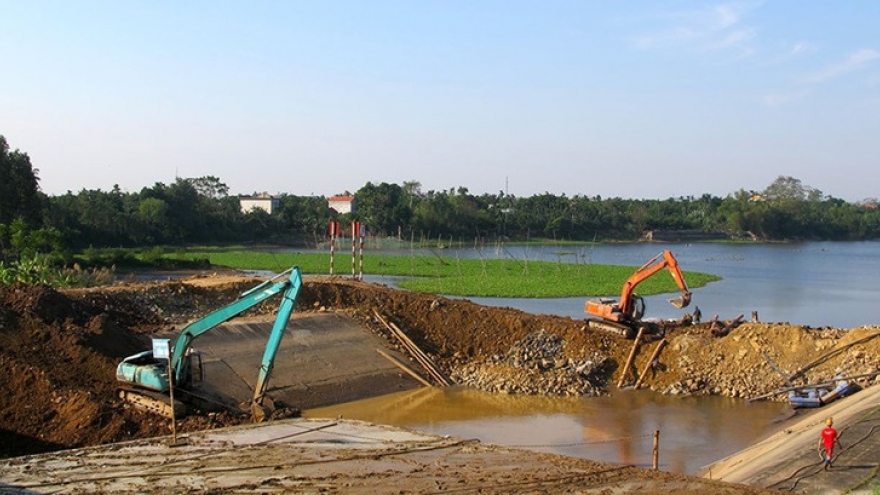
<point>752,360</point>
<point>59,351</point>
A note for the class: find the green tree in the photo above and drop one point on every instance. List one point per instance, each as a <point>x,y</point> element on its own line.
<point>383,208</point>
<point>19,187</point>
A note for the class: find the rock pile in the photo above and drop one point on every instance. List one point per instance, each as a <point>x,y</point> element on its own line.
<point>757,359</point>
<point>536,365</point>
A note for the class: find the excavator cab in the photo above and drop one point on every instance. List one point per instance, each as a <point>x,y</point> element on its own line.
<point>625,314</point>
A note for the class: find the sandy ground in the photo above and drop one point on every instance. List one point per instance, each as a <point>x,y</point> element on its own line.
<point>331,456</point>
<point>789,460</point>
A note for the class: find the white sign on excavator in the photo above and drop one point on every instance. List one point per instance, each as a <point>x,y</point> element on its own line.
<point>161,348</point>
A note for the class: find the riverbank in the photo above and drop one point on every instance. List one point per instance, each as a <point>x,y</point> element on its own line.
<point>60,394</point>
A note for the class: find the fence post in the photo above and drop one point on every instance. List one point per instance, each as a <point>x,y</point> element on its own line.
<point>656,449</point>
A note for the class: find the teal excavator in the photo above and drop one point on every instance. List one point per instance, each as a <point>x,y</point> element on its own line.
<point>146,381</point>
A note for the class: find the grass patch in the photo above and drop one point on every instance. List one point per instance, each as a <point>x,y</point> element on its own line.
<point>464,277</point>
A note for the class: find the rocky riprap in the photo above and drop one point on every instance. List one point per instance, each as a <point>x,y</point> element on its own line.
<point>537,365</point>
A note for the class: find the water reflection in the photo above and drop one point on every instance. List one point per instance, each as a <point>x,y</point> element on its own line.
<point>619,429</point>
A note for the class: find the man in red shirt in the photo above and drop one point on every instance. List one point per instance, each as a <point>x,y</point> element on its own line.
<point>826,443</point>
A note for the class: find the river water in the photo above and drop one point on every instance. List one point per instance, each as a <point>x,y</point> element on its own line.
<point>816,284</point>
<point>813,283</point>
<point>618,429</point>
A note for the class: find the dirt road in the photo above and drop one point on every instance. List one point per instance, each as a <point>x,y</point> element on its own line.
<point>332,456</point>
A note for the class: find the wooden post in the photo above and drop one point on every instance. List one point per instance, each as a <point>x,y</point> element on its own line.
<point>714,326</point>
<point>656,449</point>
<point>631,358</point>
<point>755,316</point>
<point>171,393</point>
<point>648,364</point>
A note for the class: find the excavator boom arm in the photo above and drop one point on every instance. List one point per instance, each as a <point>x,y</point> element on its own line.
<point>284,310</point>
<point>246,301</point>
<point>649,269</point>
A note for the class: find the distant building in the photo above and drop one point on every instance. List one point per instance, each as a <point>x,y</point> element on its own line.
<point>342,204</point>
<point>263,201</point>
<point>683,236</point>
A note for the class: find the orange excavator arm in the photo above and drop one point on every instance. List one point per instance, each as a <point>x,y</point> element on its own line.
<point>647,270</point>
<point>623,309</point>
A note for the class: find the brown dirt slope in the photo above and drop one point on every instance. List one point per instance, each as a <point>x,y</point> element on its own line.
<point>59,351</point>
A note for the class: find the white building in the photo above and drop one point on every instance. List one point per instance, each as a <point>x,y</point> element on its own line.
<point>263,202</point>
<point>342,204</point>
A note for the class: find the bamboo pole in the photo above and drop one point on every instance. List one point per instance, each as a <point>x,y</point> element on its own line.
<point>771,363</point>
<point>828,354</point>
<point>422,357</point>
<point>648,364</point>
<point>414,351</point>
<point>404,367</point>
<point>631,358</point>
<point>813,385</point>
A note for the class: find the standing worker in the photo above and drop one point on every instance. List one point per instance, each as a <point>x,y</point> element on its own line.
<point>826,442</point>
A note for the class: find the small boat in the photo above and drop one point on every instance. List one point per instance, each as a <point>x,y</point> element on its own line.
<point>841,389</point>
<point>819,396</point>
<point>806,397</point>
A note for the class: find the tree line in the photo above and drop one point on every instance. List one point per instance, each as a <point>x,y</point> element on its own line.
<point>201,211</point>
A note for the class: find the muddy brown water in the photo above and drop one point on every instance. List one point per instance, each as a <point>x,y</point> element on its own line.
<point>694,431</point>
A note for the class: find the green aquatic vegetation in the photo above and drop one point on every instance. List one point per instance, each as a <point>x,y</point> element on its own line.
<point>463,276</point>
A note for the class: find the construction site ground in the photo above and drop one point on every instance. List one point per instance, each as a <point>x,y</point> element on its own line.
<point>59,350</point>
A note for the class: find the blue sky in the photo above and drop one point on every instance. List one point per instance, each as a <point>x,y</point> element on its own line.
<point>638,99</point>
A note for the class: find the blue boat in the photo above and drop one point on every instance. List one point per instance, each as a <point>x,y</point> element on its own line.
<point>842,389</point>
<point>806,397</point>
<point>819,396</point>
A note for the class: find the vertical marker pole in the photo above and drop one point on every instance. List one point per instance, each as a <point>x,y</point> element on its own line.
<point>353,251</point>
<point>656,449</point>
<point>171,393</point>
<point>333,226</point>
<point>361,232</point>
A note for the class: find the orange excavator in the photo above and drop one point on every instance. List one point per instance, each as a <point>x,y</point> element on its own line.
<point>624,316</point>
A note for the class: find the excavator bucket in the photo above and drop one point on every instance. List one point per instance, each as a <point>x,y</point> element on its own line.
<point>261,410</point>
<point>681,302</point>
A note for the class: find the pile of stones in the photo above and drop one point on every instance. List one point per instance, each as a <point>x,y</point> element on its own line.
<point>537,365</point>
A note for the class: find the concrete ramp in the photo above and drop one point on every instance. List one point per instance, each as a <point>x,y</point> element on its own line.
<point>324,358</point>
<point>789,460</point>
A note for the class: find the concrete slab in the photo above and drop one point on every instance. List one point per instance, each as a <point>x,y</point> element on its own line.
<point>324,358</point>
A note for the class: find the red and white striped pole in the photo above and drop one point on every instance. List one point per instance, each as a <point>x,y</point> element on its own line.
<point>334,228</point>
<point>353,257</point>
<point>361,234</point>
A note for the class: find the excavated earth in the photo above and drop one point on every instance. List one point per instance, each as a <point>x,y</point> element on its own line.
<point>59,350</point>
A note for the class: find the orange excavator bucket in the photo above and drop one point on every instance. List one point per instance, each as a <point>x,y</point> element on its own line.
<point>681,302</point>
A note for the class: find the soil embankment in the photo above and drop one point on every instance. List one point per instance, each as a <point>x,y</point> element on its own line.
<point>59,351</point>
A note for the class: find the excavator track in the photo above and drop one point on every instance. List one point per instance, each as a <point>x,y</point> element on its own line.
<point>619,329</point>
<point>153,402</point>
